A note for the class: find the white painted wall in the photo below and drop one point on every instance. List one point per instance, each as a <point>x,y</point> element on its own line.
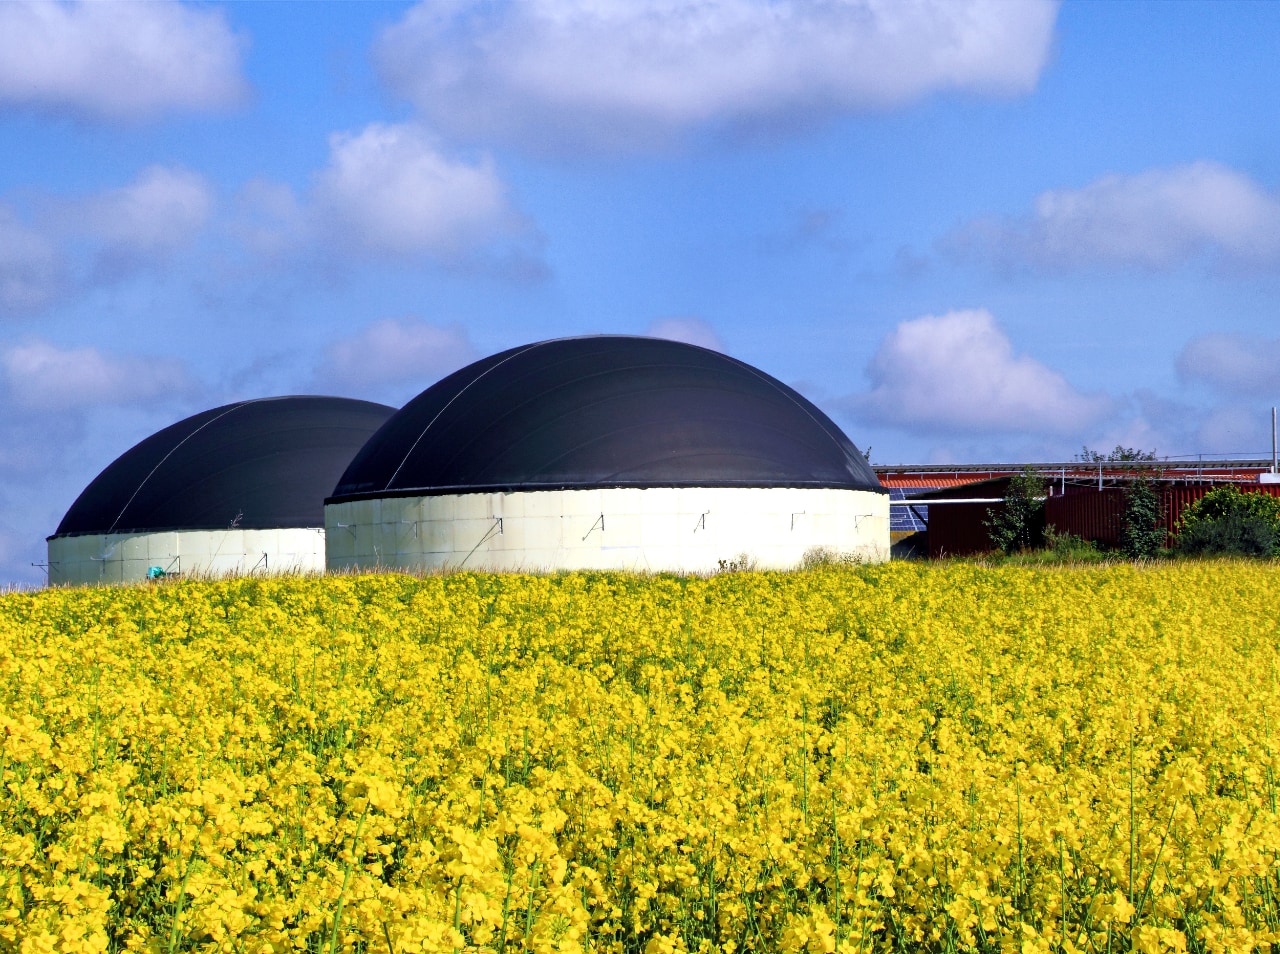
<point>684,530</point>
<point>121,557</point>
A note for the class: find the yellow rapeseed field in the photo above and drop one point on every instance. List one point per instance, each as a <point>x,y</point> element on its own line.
<point>902,757</point>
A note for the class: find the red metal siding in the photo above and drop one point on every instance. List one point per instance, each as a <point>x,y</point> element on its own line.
<point>1095,515</point>
<point>959,529</point>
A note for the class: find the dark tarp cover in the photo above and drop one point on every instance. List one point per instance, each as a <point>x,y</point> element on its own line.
<point>605,411</point>
<point>252,465</point>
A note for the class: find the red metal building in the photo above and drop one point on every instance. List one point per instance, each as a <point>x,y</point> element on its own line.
<point>1086,502</point>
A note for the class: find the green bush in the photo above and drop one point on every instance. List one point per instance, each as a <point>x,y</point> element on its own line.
<point>1227,521</point>
<point>1233,536</point>
<point>1068,545</point>
<point>1059,549</point>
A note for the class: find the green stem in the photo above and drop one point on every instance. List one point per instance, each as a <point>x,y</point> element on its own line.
<point>835,830</point>
<point>1156,862</point>
<point>533,890</point>
<point>346,879</point>
<point>1062,883</point>
<point>1017,790</point>
<point>182,890</point>
<point>1133,829</point>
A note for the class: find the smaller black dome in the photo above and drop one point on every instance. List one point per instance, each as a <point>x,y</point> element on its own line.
<point>605,411</point>
<point>252,465</point>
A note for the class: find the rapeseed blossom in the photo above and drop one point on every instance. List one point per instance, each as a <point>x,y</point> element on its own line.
<point>853,759</point>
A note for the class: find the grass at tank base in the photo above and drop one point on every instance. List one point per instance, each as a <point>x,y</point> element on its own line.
<point>904,756</point>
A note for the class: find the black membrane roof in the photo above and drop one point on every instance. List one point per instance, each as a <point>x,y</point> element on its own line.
<point>605,411</point>
<point>252,465</point>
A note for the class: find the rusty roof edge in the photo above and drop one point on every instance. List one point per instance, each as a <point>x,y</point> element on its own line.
<point>1076,466</point>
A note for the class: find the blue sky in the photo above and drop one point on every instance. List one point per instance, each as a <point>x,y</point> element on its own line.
<point>971,230</point>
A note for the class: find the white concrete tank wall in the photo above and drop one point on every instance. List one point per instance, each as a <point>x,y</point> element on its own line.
<point>121,557</point>
<point>688,530</point>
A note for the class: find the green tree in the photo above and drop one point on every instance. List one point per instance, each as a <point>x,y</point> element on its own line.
<point>1019,524</point>
<point>1227,521</point>
<point>1120,455</point>
<point>1141,535</point>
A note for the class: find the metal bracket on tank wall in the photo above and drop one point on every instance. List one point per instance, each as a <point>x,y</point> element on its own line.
<point>497,525</point>
<point>262,562</point>
<point>599,523</point>
<point>349,527</point>
<point>702,522</point>
<point>798,513</point>
<point>410,523</point>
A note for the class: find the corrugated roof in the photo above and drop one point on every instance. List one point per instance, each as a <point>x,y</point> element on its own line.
<point>927,481</point>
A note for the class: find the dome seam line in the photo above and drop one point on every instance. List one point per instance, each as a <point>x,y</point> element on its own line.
<point>423,433</point>
<point>173,450</point>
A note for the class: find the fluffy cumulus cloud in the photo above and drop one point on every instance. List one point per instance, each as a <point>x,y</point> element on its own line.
<point>693,331</point>
<point>39,376</point>
<point>618,74</point>
<point>1234,363</point>
<point>958,373</point>
<point>390,190</point>
<point>1153,220</point>
<point>394,351</point>
<point>117,61</point>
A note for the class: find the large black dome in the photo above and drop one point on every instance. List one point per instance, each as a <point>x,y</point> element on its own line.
<point>605,411</point>
<point>252,465</point>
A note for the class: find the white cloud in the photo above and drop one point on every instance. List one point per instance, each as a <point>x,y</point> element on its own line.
<point>160,211</point>
<point>1235,363</point>
<point>396,350</point>
<point>39,376</point>
<point>1155,220</point>
<point>388,190</point>
<point>618,74</point>
<point>958,372</point>
<point>693,331</point>
<point>84,241</point>
<point>115,61</point>
<point>31,268</point>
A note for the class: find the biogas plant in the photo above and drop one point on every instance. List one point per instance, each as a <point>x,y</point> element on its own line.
<point>603,452</point>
